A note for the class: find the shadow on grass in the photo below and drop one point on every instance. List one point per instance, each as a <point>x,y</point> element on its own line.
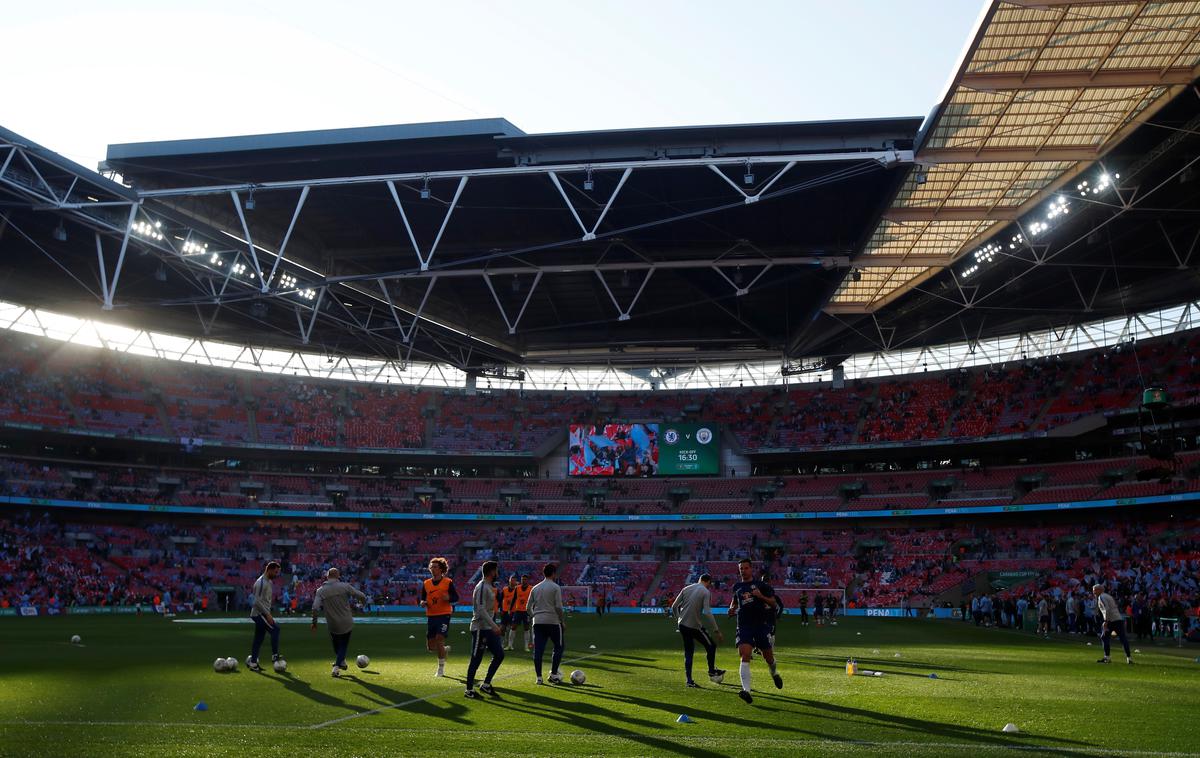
<point>952,732</point>
<point>390,699</point>
<point>839,661</point>
<point>587,717</point>
<point>305,690</point>
<point>751,721</point>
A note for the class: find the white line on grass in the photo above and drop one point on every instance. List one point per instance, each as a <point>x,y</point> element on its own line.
<point>416,700</point>
<point>827,745</point>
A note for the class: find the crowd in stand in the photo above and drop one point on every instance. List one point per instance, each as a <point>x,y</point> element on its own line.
<point>1152,567</point>
<point>67,386</point>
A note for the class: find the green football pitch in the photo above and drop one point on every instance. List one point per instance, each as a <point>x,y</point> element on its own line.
<point>130,688</point>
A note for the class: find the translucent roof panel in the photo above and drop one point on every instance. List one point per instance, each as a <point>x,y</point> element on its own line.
<point>1066,79</point>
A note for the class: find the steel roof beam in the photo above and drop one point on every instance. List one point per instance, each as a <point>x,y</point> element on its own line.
<point>887,158</point>
<point>952,214</point>
<point>1039,80</point>
<point>938,155</point>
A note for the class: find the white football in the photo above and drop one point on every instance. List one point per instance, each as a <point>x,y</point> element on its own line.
<point>363,661</point>
<point>337,672</point>
<point>578,677</point>
<point>76,639</point>
<point>231,663</point>
<point>717,678</point>
<point>280,666</point>
<point>220,665</point>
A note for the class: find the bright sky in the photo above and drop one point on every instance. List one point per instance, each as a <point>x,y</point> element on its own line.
<point>82,75</point>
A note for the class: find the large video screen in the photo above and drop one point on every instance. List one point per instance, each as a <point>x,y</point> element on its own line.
<point>689,449</point>
<point>613,450</point>
<point>665,449</point>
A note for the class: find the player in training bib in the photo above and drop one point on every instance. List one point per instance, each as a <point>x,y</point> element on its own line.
<point>521,613</point>
<point>438,597</point>
<point>507,598</point>
<point>754,605</point>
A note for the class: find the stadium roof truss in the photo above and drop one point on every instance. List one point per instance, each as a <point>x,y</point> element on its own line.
<point>228,259</point>
<point>1045,89</point>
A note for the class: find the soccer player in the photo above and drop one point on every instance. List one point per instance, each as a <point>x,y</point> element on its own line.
<point>1113,622</point>
<point>334,598</point>
<point>485,632</point>
<point>263,595</point>
<point>818,608</point>
<point>549,622</point>
<point>693,609</point>
<point>438,596</point>
<point>754,605</point>
<point>521,612</point>
<point>508,603</point>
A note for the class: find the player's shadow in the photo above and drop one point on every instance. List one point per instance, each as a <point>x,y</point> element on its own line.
<point>304,689</point>
<point>691,710</point>
<point>388,697</point>
<point>954,732</point>
<point>839,662</point>
<point>571,713</point>
<point>890,671</point>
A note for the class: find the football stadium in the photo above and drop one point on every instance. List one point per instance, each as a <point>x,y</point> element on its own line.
<point>818,437</point>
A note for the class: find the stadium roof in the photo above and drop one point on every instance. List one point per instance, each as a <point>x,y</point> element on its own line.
<point>474,244</point>
<point>1044,90</point>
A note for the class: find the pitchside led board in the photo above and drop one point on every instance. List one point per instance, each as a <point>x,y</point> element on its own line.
<point>643,450</point>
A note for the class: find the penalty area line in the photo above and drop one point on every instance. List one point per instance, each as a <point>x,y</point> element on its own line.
<point>416,700</point>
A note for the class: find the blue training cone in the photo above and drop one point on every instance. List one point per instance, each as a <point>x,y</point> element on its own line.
<point>201,706</point>
<point>683,719</point>
<point>933,676</point>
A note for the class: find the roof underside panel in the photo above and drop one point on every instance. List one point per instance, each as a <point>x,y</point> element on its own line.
<point>1043,93</point>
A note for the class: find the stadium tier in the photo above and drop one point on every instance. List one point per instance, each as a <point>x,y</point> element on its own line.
<point>56,561</point>
<point>64,387</point>
<point>89,482</point>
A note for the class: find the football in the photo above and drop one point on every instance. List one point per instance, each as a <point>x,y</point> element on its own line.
<point>280,666</point>
<point>717,678</point>
<point>337,672</point>
<point>363,661</point>
<point>578,677</point>
<point>219,666</point>
<point>231,664</point>
<point>76,639</point>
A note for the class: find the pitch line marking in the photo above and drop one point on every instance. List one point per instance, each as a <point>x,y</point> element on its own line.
<point>829,744</point>
<point>416,700</point>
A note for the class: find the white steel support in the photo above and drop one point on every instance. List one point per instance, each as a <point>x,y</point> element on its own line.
<point>836,261</point>
<point>406,335</point>
<point>512,325</point>
<point>100,260</point>
<point>885,158</point>
<point>7,160</point>
<point>266,282</point>
<point>237,204</point>
<point>306,332</point>
<point>737,288</point>
<point>112,290</point>
<point>424,259</point>
<point>623,313</point>
<point>40,178</point>
<point>590,234</point>
<point>757,195</point>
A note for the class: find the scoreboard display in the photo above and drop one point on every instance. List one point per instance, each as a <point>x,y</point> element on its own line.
<point>663,449</point>
<point>688,449</point>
